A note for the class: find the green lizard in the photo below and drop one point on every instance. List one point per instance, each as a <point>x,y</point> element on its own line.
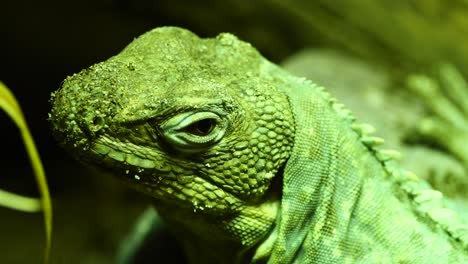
<point>247,163</point>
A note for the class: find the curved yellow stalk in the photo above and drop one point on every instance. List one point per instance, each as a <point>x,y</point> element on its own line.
<point>9,104</point>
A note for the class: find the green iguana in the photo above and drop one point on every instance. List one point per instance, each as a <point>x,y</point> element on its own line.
<point>247,163</point>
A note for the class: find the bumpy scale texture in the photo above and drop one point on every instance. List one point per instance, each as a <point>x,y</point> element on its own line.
<point>246,162</point>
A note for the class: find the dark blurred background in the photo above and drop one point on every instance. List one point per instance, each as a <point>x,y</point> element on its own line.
<point>44,41</point>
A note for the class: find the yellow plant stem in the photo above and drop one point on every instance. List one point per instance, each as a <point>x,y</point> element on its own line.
<point>12,108</point>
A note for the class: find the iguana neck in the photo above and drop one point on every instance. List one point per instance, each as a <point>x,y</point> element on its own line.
<point>349,202</point>
<point>222,239</point>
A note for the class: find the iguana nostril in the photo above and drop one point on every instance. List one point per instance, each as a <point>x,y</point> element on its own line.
<point>98,121</point>
<point>94,123</point>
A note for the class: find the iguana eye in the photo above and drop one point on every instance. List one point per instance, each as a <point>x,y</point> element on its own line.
<point>194,131</point>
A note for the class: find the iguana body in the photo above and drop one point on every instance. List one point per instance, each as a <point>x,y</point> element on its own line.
<point>246,162</point>
<point>372,96</point>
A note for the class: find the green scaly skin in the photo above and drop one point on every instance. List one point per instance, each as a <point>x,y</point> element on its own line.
<point>247,163</point>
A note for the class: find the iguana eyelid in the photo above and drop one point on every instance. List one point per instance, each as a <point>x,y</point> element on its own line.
<point>175,133</point>
<point>182,121</point>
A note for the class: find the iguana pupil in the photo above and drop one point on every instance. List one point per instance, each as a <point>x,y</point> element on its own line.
<point>202,127</point>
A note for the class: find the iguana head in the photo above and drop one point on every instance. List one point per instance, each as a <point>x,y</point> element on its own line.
<point>194,123</point>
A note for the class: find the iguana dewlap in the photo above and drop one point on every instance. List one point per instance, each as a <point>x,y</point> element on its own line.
<point>246,162</point>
